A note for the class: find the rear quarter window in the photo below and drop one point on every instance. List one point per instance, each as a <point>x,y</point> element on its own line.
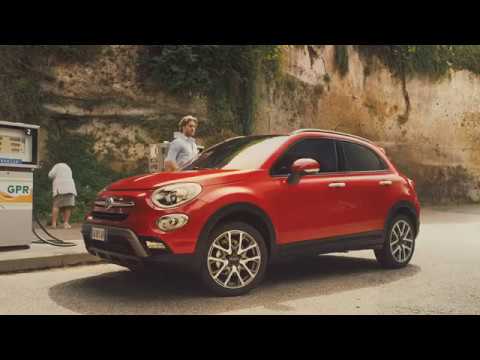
<point>360,158</point>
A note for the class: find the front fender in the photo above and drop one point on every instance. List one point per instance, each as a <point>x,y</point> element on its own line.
<point>232,194</point>
<point>230,199</point>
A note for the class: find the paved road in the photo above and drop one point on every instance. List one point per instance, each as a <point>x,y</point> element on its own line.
<point>444,278</point>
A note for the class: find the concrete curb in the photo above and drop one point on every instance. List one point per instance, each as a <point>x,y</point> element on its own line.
<point>47,262</point>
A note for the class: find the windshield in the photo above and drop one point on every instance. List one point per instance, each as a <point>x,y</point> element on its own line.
<point>238,154</point>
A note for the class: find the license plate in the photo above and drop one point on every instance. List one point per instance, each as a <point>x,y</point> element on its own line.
<point>98,234</point>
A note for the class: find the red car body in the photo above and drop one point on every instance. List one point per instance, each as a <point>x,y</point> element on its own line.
<point>316,210</point>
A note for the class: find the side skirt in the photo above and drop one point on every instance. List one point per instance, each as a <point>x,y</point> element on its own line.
<point>365,241</point>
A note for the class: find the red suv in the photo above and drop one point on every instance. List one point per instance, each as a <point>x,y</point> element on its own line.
<point>249,201</point>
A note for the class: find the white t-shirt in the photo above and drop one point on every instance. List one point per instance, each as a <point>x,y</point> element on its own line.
<point>62,180</point>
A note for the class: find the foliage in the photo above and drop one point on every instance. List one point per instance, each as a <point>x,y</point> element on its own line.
<point>23,68</point>
<point>201,69</point>
<point>432,61</point>
<point>20,96</point>
<point>224,74</point>
<point>34,55</point>
<point>466,57</point>
<point>341,59</point>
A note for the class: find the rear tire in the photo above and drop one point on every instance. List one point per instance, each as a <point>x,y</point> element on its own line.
<point>233,260</point>
<point>399,246</point>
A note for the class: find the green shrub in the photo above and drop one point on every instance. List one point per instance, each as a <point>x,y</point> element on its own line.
<point>432,61</point>
<point>341,59</point>
<point>224,74</point>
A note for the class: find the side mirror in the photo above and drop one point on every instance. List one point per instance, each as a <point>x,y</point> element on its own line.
<point>303,167</point>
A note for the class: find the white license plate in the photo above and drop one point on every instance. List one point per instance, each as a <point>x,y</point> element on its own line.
<point>98,234</point>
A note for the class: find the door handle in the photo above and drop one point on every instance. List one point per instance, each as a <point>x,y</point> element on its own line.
<point>386,183</point>
<point>337,185</point>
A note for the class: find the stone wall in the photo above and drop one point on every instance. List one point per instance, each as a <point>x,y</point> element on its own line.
<point>430,129</point>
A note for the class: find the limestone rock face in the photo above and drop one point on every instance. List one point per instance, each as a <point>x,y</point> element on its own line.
<point>431,130</point>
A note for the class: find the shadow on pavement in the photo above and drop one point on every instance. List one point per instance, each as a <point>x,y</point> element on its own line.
<point>123,292</point>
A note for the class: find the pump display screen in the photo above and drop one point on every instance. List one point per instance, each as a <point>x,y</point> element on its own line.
<point>17,145</point>
<point>12,145</point>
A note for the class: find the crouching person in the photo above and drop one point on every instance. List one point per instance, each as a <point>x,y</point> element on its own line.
<point>64,193</point>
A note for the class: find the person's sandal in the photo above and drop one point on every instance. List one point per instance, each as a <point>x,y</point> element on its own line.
<point>67,226</point>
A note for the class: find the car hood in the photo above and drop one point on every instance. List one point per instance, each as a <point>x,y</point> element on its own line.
<point>203,177</point>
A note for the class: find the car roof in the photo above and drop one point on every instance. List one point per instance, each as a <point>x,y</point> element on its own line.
<point>307,131</point>
<point>336,134</point>
<point>342,134</point>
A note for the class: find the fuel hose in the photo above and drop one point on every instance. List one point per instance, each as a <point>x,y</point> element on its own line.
<point>54,241</point>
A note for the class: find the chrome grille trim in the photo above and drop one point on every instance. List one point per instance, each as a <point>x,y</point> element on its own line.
<point>114,203</point>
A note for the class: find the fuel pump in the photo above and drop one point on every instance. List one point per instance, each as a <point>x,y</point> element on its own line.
<point>18,160</point>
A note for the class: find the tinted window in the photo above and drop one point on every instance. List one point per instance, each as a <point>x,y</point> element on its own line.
<point>321,150</point>
<point>238,154</point>
<point>361,158</point>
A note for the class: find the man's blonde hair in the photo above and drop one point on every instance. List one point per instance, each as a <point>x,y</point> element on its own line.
<point>185,120</point>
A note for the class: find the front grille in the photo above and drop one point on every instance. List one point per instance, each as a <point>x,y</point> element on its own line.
<point>114,202</point>
<point>109,216</point>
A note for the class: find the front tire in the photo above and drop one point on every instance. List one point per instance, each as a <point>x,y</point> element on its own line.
<point>234,259</point>
<point>399,245</point>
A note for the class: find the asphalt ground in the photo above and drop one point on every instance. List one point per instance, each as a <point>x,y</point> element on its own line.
<point>443,278</point>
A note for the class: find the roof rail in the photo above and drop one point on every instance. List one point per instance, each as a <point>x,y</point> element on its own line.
<point>300,131</point>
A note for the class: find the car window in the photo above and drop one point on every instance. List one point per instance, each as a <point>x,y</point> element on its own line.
<point>243,153</point>
<point>321,150</point>
<point>361,158</point>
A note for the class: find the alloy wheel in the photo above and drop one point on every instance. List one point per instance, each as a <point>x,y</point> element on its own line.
<point>401,241</point>
<point>234,259</point>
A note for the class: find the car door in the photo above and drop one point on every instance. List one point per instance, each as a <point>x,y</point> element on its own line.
<point>369,181</point>
<point>309,210</point>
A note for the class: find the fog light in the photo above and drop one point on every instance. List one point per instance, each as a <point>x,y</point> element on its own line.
<point>172,222</point>
<point>155,245</point>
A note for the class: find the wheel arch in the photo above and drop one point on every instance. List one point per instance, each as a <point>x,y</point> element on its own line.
<point>246,212</point>
<point>404,208</point>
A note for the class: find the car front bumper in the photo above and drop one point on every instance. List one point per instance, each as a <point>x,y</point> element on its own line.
<point>123,247</point>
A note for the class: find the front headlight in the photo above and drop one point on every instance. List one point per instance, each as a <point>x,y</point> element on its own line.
<point>174,195</point>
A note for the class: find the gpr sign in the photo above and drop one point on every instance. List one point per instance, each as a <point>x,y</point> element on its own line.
<point>18,189</point>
